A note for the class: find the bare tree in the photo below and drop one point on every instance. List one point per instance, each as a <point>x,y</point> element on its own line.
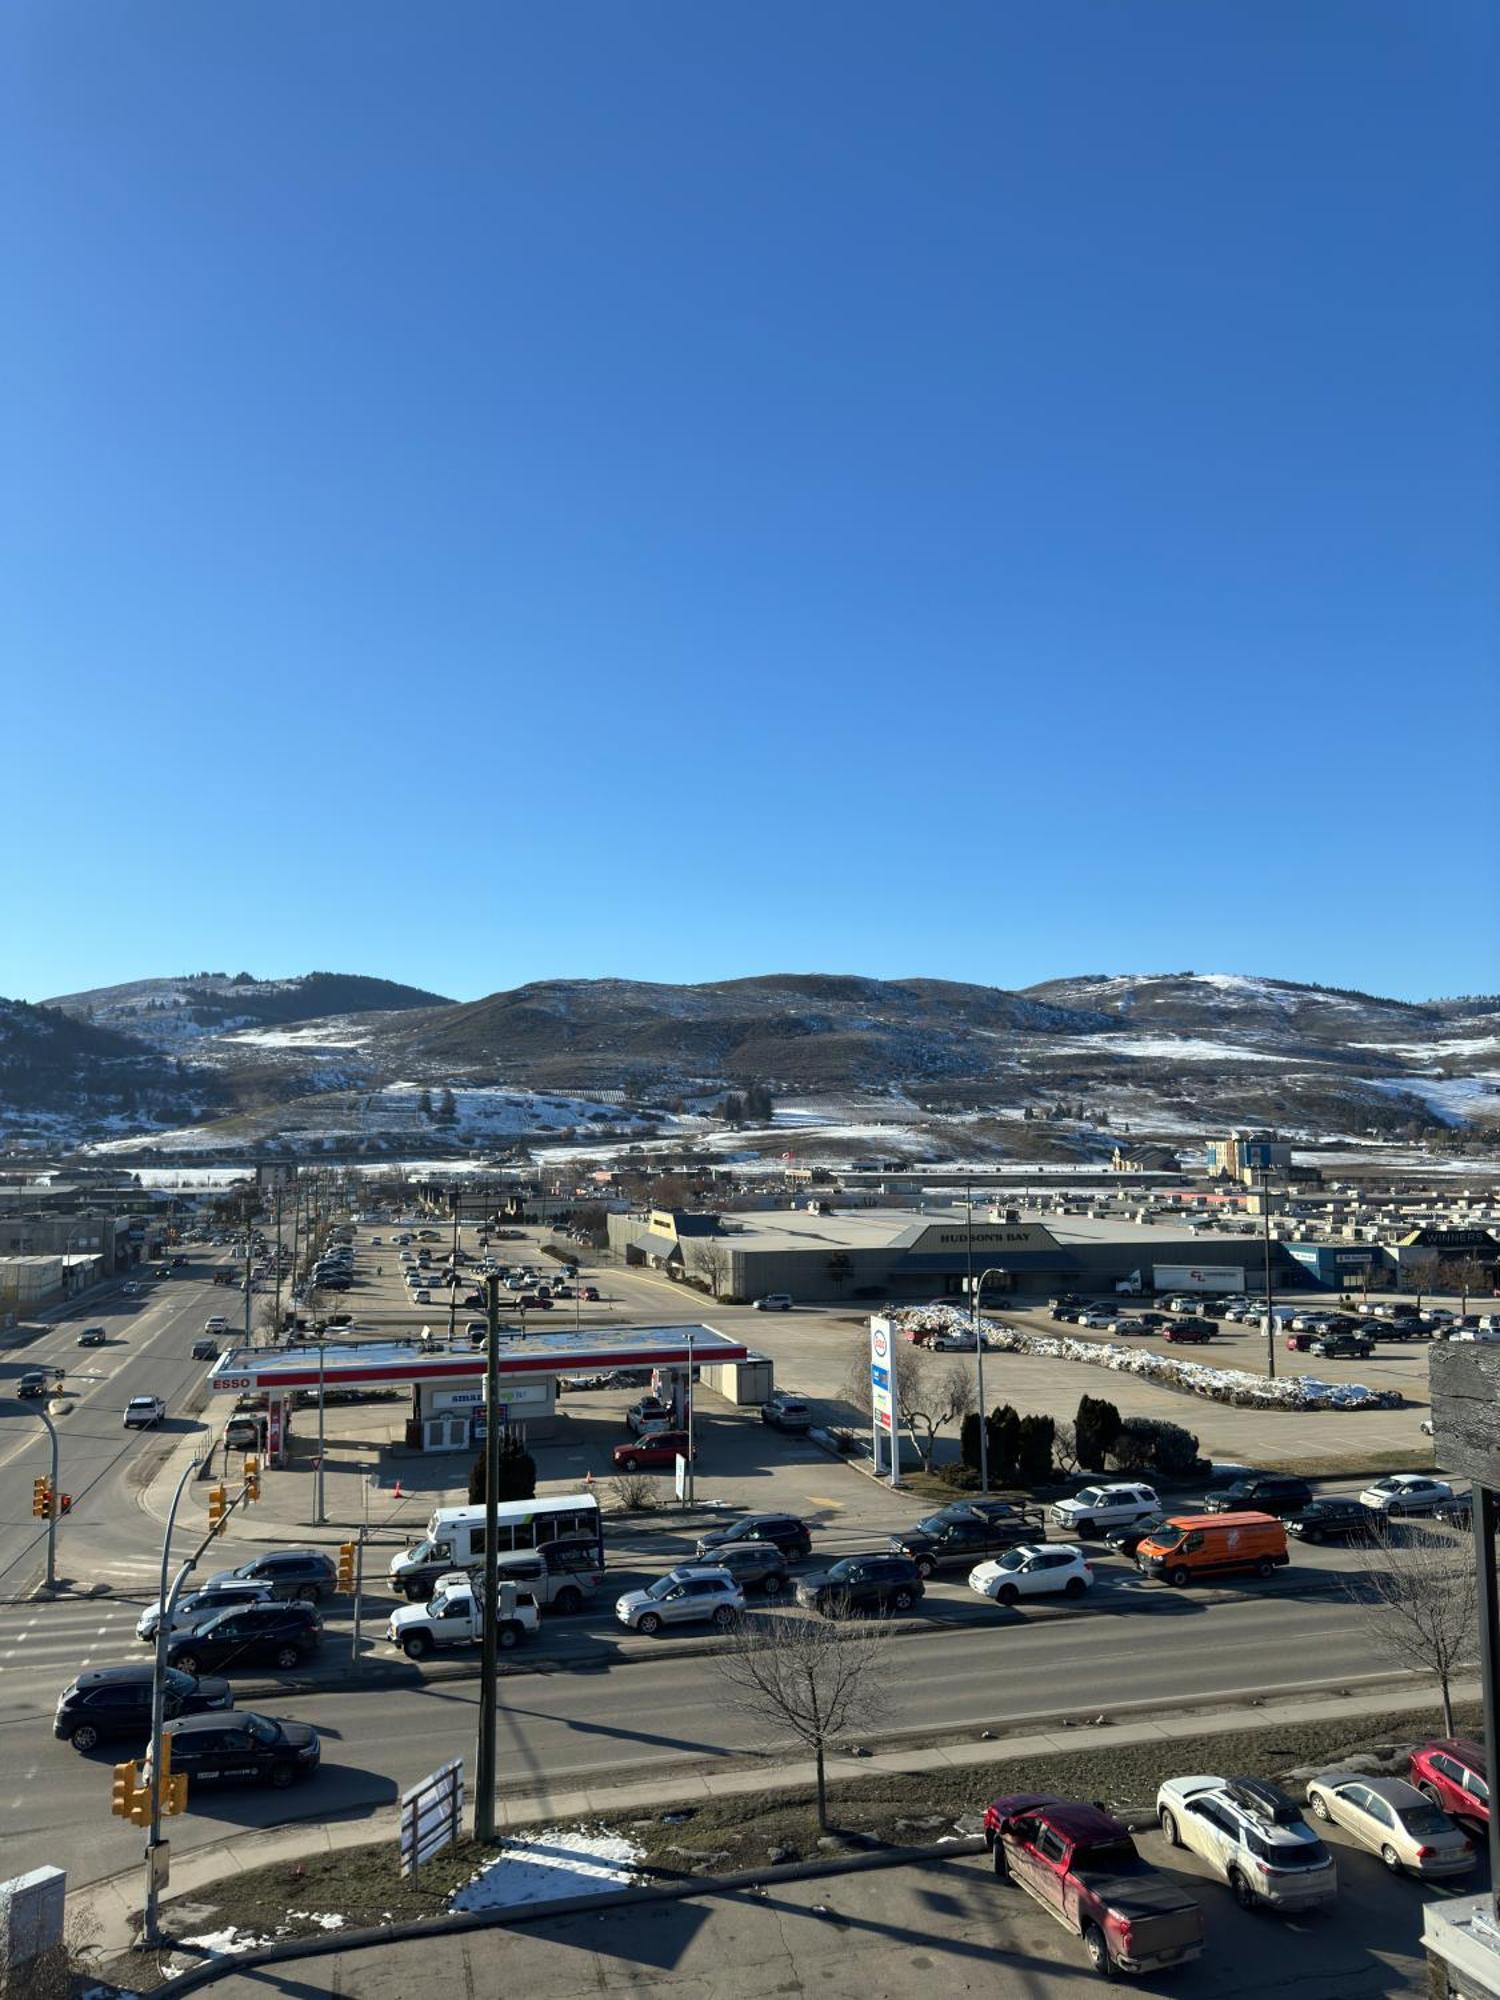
<point>1420,1597</point>
<point>929,1395</point>
<point>808,1677</point>
<point>707,1260</point>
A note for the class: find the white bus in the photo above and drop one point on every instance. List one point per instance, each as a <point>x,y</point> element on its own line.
<point>567,1527</point>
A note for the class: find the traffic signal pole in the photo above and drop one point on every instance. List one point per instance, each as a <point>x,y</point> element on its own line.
<point>53,1502</point>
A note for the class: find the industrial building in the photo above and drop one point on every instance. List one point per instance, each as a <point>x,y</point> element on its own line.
<point>901,1254</point>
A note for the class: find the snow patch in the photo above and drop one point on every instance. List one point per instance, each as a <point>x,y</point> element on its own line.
<point>559,1861</point>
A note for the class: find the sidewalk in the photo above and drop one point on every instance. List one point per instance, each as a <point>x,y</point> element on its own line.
<point>109,1906</point>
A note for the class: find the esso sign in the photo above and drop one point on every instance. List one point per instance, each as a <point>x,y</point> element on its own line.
<point>880,1343</point>
<point>232,1382</point>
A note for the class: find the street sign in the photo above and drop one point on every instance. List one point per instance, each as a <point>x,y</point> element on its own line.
<point>431,1815</point>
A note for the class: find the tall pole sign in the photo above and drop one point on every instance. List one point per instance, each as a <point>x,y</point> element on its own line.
<point>885,1415</point>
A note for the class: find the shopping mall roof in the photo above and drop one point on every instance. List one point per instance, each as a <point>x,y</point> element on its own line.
<point>383,1363</point>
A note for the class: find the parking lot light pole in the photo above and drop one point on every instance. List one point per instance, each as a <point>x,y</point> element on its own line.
<point>489,1687</point>
<point>1265,1224</point>
<point>991,1271</point>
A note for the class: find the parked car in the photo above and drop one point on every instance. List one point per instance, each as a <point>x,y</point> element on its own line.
<point>774,1302</point>
<point>694,1594</point>
<point>755,1566</point>
<point>143,1411</point>
<point>1033,1569</point>
<point>861,1583</point>
<point>1254,1838</point>
<point>104,1703</point>
<point>307,1574</point>
<point>1261,1493</point>
<point>786,1412</point>
<point>1188,1329</point>
<point>1332,1346</point>
<point>1451,1773</point>
<point>245,1748</point>
<point>1084,1869</point>
<point>784,1531</point>
<point>280,1635</point>
<point>1115,1505</point>
<point>1336,1517</point>
<point>657,1453</point>
<point>651,1412</point>
<point>956,1539</point>
<point>1394,1820</point>
<point>1406,1493</point>
<point>1457,1512</point>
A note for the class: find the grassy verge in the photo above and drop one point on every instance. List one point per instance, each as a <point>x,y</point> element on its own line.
<point>719,1836</point>
<point>1355,1464</point>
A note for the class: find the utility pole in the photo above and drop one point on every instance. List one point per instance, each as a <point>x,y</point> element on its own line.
<point>691,1494</point>
<point>489,1679</point>
<point>992,1271</point>
<point>278,1261</point>
<point>249,1258</point>
<point>320,1515</point>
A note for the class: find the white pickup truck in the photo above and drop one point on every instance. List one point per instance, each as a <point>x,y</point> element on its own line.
<point>454,1616</point>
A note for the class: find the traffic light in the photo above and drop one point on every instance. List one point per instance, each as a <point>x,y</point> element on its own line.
<point>252,1476</point>
<point>122,1792</point>
<point>174,1784</point>
<point>346,1565</point>
<point>217,1507</point>
<point>41,1499</point>
<point>64,1503</point>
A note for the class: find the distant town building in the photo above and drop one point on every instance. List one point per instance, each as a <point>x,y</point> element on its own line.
<point>1244,1156</point>
<point>1144,1159</point>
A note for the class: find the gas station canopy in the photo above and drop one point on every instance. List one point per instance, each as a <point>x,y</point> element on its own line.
<point>377,1364</point>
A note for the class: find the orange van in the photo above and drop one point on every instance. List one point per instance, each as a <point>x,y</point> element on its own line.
<point>1188,1548</point>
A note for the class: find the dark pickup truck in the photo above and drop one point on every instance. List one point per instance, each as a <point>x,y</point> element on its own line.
<point>954,1539</point>
<point>1082,1866</point>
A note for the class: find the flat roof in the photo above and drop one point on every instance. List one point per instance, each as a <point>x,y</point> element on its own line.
<point>377,1363</point>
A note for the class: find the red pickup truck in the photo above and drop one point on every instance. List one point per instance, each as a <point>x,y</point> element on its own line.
<point>1080,1864</point>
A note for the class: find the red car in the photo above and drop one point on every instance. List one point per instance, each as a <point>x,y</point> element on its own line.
<point>1188,1329</point>
<point>657,1452</point>
<point>1450,1772</point>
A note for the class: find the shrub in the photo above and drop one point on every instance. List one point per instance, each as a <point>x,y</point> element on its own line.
<point>965,1478</point>
<point>1151,1444</point>
<point>1095,1429</point>
<point>1034,1451</point>
<point>636,1492</point>
<point>516,1473</point>
<point>1004,1445</point>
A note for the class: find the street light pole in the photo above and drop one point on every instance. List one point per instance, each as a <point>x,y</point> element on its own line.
<point>489,1677</point>
<point>321,1514</point>
<point>166,1605</point>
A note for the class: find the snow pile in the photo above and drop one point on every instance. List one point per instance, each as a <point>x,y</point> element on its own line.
<point>559,1861</point>
<point>1195,1378</point>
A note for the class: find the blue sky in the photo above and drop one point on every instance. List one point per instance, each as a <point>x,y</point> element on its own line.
<point>668,490</point>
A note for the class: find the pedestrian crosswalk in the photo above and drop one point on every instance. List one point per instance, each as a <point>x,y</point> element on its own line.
<point>44,1645</point>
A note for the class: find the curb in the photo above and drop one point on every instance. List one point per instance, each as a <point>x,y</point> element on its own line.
<point>329,1943</point>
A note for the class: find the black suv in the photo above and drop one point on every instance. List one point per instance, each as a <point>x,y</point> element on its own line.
<point>116,1701</point>
<point>754,1566</point>
<point>304,1573</point>
<point>791,1536</point>
<point>1262,1493</point>
<point>245,1748</point>
<point>949,1539</point>
<point>284,1634</point>
<point>1125,1541</point>
<point>1337,1518</point>
<point>1333,1344</point>
<point>861,1583</point>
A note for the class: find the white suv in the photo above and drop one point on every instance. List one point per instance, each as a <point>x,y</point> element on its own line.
<point>142,1411</point>
<point>1254,1838</point>
<point>695,1594</point>
<point>1099,1507</point>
